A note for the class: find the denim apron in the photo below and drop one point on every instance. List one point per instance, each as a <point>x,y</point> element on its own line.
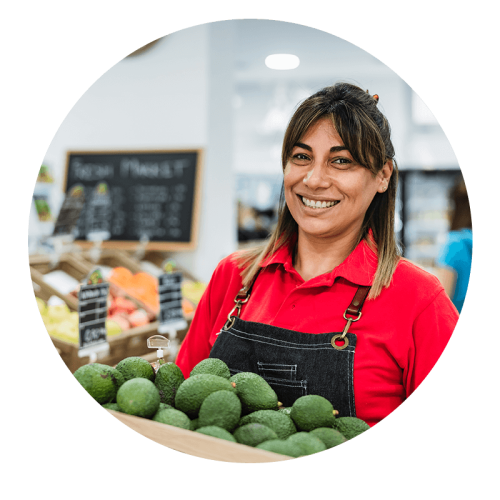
<point>293,363</point>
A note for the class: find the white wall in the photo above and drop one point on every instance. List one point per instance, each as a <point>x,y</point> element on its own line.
<point>170,96</point>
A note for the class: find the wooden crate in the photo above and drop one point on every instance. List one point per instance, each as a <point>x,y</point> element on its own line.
<point>131,342</point>
<point>69,263</point>
<point>196,444</point>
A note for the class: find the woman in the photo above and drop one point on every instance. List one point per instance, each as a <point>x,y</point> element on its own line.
<point>328,306</point>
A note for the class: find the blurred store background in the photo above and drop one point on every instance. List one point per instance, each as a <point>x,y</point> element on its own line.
<point>208,88</point>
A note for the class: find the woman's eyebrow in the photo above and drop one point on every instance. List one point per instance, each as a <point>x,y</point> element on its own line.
<point>333,149</point>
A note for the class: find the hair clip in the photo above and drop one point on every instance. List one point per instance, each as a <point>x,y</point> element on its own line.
<point>375,96</point>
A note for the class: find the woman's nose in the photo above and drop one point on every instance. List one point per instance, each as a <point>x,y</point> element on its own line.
<point>316,177</point>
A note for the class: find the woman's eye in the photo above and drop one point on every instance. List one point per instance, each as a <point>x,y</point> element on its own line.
<point>341,162</point>
<point>300,159</point>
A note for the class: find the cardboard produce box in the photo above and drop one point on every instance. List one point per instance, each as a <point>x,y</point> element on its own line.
<point>196,444</point>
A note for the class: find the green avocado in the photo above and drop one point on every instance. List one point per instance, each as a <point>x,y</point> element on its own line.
<point>254,392</point>
<point>329,436</point>
<point>193,391</point>
<point>135,367</point>
<point>279,422</point>
<point>281,447</point>
<point>253,434</point>
<point>310,412</point>
<point>306,443</point>
<point>218,432</point>
<point>221,408</point>
<point>212,366</point>
<point>112,406</point>
<point>167,380</point>
<point>139,397</point>
<point>98,382</point>
<point>173,417</point>
<point>350,426</point>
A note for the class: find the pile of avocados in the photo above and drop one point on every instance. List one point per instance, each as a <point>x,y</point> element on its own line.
<point>242,408</point>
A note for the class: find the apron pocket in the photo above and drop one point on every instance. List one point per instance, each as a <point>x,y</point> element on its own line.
<point>287,390</point>
<point>277,371</point>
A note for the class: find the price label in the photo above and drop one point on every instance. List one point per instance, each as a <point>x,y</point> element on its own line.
<point>92,312</point>
<point>171,314</point>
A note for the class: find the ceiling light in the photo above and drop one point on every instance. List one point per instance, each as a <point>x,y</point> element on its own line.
<point>282,61</point>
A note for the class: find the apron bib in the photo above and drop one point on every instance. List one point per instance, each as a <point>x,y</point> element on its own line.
<point>293,363</point>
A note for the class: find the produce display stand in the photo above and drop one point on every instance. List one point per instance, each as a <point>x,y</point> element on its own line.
<point>196,444</point>
<point>132,342</point>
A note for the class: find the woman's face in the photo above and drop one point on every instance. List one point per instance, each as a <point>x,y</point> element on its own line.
<point>326,191</point>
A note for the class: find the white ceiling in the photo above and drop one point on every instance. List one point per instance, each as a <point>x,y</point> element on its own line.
<point>321,54</point>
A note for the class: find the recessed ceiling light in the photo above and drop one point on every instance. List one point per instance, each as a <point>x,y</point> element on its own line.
<point>282,61</point>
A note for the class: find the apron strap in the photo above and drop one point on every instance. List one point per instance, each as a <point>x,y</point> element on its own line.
<point>355,306</point>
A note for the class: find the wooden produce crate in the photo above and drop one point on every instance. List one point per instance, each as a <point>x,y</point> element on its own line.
<point>132,342</point>
<point>122,258</point>
<point>158,258</point>
<point>68,263</point>
<point>196,444</point>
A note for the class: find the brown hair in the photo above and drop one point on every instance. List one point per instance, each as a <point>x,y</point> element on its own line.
<point>366,133</point>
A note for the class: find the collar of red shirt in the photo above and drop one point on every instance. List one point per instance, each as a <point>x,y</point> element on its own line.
<point>358,268</point>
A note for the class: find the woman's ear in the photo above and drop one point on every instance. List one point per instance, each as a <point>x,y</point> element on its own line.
<point>384,176</point>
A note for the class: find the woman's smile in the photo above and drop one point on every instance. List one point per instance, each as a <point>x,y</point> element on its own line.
<point>315,204</point>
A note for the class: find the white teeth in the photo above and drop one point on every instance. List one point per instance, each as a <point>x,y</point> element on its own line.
<point>318,204</point>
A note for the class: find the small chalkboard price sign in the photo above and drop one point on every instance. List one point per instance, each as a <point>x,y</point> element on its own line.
<point>92,312</point>
<point>171,314</point>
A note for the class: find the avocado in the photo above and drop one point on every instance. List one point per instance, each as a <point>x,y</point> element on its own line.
<point>167,380</point>
<point>280,446</point>
<point>139,397</point>
<point>218,432</point>
<point>310,412</point>
<point>254,392</point>
<point>112,406</point>
<point>253,434</point>
<point>350,426</point>
<point>173,417</point>
<point>116,376</point>
<point>194,424</point>
<point>306,443</point>
<point>285,409</point>
<point>221,408</point>
<point>193,391</point>
<point>97,382</point>
<point>329,436</point>
<point>163,406</point>
<point>212,366</point>
<point>277,421</point>
<point>135,367</point>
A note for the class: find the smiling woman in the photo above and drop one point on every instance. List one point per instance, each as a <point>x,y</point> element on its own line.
<point>328,306</point>
<point>350,135</point>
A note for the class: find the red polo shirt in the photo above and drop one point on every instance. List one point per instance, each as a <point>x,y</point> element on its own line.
<point>400,335</point>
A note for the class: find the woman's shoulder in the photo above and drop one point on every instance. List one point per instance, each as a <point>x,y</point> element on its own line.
<point>413,276</point>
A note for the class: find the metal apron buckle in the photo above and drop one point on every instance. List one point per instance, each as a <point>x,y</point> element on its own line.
<point>239,303</point>
<point>354,308</point>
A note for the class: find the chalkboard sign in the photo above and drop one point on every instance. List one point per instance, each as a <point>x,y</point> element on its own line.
<point>92,312</point>
<point>171,314</point>
<point>153,196</point>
